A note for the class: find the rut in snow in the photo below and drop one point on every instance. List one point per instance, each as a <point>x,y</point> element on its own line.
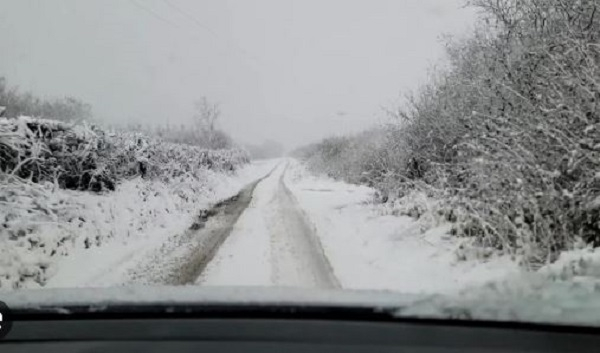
<point>272,244</point>
<point>295,237</point>
<point>182,259</point>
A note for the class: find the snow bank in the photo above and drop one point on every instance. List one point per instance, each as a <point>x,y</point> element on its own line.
<point>565,292</point>
<point>371,248</point>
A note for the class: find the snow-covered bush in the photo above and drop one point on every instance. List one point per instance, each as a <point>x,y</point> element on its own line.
<point>509,135</point>
<point>40,223</point>
<point>82,157</point>
<point>46,150</point>
<point>48,168</point>
<point>511,130</point>
<point>358,159</point>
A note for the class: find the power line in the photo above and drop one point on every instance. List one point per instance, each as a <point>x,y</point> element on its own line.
<point>190,17</point>
<point>154,14</point>
<point>161,18</point>
<point>207,28</point>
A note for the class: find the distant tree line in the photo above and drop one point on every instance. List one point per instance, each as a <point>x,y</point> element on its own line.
<point>266,149</point>
<point>203,131</point>
<point>17,103</point>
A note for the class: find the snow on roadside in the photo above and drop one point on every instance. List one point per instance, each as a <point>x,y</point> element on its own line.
<point>371,250</point>
<point>564,292</point>
<point>83,239</point>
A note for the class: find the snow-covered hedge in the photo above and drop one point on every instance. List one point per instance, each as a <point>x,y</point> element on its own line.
<point>509,135</point>
<point>40,223</point>
<point>65,187</point>
<point>84,157</point>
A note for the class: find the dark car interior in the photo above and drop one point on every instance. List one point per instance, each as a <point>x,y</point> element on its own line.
<point>239,328</point>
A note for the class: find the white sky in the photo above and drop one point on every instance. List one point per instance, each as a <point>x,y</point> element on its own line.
<point>289,70</point>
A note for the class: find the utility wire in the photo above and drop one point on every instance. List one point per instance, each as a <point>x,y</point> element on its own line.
<point>154,14</point>
<point>192,18</point>
<point>163,19</point>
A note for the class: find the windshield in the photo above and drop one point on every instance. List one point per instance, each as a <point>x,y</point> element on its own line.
<point>442,151</point>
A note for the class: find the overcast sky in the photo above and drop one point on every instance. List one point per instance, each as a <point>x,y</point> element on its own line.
<point>288,70</point>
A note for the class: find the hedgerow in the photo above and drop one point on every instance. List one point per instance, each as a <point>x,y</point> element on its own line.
<point>85,157</point>
<point>508,136</point>
<point>66,186</point>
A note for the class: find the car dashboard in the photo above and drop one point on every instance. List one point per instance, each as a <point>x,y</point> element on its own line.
<point>286,328</point>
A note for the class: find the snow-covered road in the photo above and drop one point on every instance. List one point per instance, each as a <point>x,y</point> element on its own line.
<point>304,230</point>
<point>168,252</point>
<point>271,244</point>
<point>289,228</point>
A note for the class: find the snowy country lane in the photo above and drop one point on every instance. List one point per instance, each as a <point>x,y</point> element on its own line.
<point>272,244</point>
<point>174,252</point>
<point>280,225</point>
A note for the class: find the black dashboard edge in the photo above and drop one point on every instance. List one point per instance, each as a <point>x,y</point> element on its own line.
<point>280,312</point>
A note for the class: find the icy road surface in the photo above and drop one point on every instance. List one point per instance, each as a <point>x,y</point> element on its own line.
<point>272,244</point>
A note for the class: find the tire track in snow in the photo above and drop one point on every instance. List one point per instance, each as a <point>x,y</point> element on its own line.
<point>297,254</point>
<point>272,244</point>
<point>182,259</point>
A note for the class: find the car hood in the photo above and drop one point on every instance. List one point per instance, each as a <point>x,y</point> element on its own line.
<point>181,295</point>
<point>530,302</point>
